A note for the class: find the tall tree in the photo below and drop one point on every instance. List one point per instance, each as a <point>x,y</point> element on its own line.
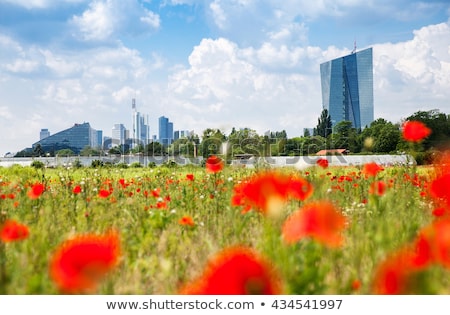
<point>439,123</point>
<point>324,124</point>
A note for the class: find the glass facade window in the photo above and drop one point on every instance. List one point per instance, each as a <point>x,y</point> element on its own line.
<point>75,139</point>
<point>165,131</point>
<point>347,88</point>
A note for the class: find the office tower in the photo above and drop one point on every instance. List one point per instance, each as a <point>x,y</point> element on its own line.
<point>165,131</point>
<point>75,138</point>
<point>44,134</point>
<point>118,135</point>
<point>347,88</point>
<point>141,128</point>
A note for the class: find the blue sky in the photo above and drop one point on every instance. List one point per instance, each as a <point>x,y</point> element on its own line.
<point>209,63</point>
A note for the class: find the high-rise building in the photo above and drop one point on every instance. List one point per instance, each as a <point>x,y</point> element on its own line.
<point>119,135</point>
<point>165,131</point>
<point>44,134</point>
<point>141,128</point>
<point>347,88</point>
<point>75,138</point>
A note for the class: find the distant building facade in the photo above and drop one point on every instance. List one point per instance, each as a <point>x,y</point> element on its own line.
<point>347,88</point>
<point>141,127</point>
<point>119,135</point>
<point>179,134</point>
<point>165,131</point>
<point>75,138</point>
<point>44,134</point>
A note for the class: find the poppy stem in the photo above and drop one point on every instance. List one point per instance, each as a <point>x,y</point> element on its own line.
<point>3,276</point>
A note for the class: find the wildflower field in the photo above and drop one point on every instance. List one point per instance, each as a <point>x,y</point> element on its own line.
<point>218,229</point>
<point>194,230</point>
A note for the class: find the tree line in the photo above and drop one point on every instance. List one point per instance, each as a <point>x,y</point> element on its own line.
<point>381,137</point>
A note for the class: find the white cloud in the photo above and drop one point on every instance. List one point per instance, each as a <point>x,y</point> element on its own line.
<point>254,88</point>
<point>218,14</point>
<point>106,18</point>
<point>272,84</point>
<point>40,4</point>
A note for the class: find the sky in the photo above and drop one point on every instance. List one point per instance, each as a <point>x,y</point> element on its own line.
<point>209,63</point>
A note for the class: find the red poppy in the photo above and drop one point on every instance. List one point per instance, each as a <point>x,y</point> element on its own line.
<point>356,285</point>
<point>437,238</point>
<point>393,275</point>
<point>320,220</point>
<point>103,193</point>
<point>237,271</point>
<point>123,183</point>
<point>78,264</point>
<point>36,191</point>
<point>187,221</point>
<point>322,163</point>
<point>11,231</point>
<point>441,212</point>
<point>77,189</point>
<point>156,192</point>
<point>371,169</point>
<point>214,164</point>
<point>190,177</point>
<point>161,205</point>
<point>415,131</point>
<point>377,188</point>
<point>268,191</point>
<point>440,189</point>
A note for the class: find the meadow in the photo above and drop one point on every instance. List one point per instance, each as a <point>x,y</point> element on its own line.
<point>219,229</point>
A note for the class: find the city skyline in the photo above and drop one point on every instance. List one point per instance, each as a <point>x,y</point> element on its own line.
<point>209,63</point>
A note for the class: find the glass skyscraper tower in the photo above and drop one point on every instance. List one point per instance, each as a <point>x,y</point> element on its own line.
<point>347,88</point>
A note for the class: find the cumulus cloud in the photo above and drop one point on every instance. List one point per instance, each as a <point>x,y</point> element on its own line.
<point>105,18</point>
<point>253,92</point>
<point>40,4</point>
<point>227,81</point>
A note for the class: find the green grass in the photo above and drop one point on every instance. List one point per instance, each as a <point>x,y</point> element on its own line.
<point>159,255</point>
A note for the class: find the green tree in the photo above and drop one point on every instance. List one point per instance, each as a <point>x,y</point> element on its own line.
<point>64,152</point>
<point>212,140</point>
<point>246,141</point>
<point>38,150</point>
<point>439,123</point>
<point>154,149</point>
<point>345,137</point>
<point>89,151</point>
<point>384,136</point>
<point>324,125</point>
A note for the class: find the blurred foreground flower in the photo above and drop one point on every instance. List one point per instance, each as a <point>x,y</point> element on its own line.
<point>79,264</point>
<point>268,191</point>
<point>415,131</point>
<point>11,231</point>
<point>320,220</point>
<point>235,271</point>
<point>398,273</point>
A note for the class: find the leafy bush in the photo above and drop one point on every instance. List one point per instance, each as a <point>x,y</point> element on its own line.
<point>37,164</point>
<point>96,163</point>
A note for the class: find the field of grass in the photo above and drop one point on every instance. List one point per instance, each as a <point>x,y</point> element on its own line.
<point>170,221</point>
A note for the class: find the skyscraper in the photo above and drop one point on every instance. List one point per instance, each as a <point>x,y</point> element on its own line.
<point>118,134</point>
<point>141,128</point>
<point>347,88</point>
<point>165,131</point>
<point>44,134</point>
